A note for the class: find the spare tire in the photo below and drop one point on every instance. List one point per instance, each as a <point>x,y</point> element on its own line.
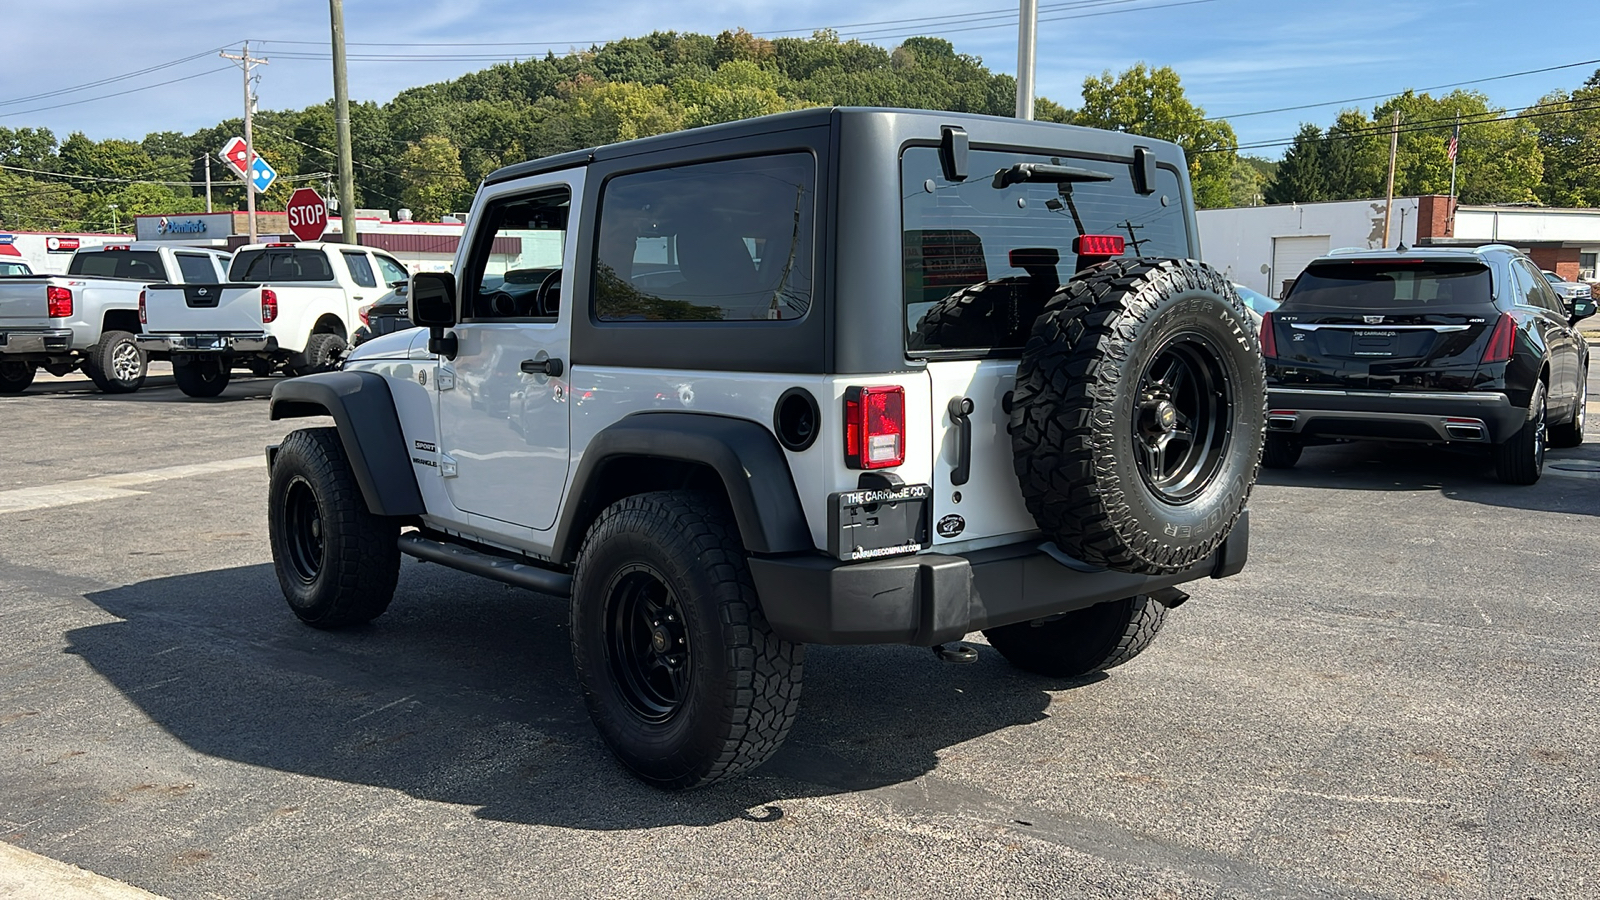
<point>1138,415</point>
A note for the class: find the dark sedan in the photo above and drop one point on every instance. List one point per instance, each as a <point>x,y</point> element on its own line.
<point>1464,346</point>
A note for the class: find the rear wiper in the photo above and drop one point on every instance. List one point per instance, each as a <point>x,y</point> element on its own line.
<point>1045,173</point>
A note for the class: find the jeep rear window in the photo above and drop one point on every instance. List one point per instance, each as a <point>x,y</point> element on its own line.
<point>1381,285</point>
<point>970,247</point>
<point>723,241</point>
<point>144,265</point>
<point>286,264</point>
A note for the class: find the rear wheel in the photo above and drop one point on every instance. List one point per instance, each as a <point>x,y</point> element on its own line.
<point>322,354</point>
<point>1570,434</point>
<point>202,377</point>
<point>1078,643</point>
<point>682,675</point>
<point>16,376</point>
<point>1281,451</point>
<point>337,563</point>
<point>116,365</point>
<point>1520,459</point>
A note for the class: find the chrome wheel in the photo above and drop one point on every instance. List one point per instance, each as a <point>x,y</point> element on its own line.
<point>126,364</point>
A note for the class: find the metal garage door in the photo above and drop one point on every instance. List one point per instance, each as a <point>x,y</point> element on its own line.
<point>1291,255</point>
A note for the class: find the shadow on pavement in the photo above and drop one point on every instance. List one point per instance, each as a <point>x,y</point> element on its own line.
<point>1570,484</point>
<point>464,693</point>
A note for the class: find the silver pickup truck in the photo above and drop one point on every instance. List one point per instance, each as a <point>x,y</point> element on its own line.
<point>88,318</point>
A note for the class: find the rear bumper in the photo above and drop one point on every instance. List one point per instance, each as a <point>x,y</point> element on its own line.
<point>207,343</point>
<point>931,598</point>
<point>1480,417</point>
<point>51,340</point>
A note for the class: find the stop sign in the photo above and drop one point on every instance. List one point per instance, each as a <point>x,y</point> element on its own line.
<point>308,214</point>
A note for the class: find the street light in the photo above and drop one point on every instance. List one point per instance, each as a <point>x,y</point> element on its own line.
<point>113,207</point>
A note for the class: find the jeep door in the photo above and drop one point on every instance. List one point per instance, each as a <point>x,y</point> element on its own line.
<point>503,430</point>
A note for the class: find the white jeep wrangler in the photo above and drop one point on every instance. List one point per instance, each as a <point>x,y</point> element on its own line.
<point>838,376</point>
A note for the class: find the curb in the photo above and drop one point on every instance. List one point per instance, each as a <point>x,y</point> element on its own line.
<point>29,876</point>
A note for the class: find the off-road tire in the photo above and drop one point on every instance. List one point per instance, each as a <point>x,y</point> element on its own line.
<point>116,365</point>
<point>337,563</point>
<point>1281,451</point>
<point>1077,643</point>
<point>202,377</point>
<point>16,376</point>
<point>1077,412</point>
<point>740,684</point>
<point>1570,433</point>
<point>322,354</point>
<point>1520,458</point>
<point>979,315</point>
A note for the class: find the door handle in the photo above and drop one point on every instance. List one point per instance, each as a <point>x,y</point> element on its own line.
<point>961,415</point>
<point>548,366</point>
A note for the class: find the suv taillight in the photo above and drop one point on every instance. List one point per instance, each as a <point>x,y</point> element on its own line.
<point>144,317</point>
<point>1502,340</point>
<point>1269,339</point>
<point>365,314</point>
<point>269,305</point>
<point>59,300</point>
<point>874,427</point>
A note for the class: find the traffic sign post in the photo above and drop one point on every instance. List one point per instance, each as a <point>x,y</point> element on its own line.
<point>308,214</point>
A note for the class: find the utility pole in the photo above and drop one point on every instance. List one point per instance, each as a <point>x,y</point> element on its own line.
<point>1394,147</point>
<point>1027,26</point>
<point>341,121</point>
<point>246,61</point>
<point>208,182</point>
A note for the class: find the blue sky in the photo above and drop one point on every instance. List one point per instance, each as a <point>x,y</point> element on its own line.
<point>1234,56</point>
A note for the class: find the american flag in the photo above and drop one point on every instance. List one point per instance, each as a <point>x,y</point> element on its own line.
<point>1451,152</point>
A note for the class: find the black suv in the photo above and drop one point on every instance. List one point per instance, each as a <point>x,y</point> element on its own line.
<point>1439,345</point>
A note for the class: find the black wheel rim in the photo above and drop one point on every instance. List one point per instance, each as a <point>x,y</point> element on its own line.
<point>302,530</point>
<point>647,644</point>
<point>1183,417</point>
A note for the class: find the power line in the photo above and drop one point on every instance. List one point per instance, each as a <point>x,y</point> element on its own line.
<point>117,94</point>
<point>114,78</point>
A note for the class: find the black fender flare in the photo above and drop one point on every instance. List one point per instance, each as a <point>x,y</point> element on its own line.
<point>363,409</point>
<point>744,454</point>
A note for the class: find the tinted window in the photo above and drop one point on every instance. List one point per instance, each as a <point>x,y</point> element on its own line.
<point>1006,250</point>
<point>1390,286</point>
<point>1539,293</point>
<point>196,269</point>
<point>722,241</point>
<point>144,265</point>
<point>515,268</point>
<point>281,264</point>
<point>393,273</point>
<point>360,268</point>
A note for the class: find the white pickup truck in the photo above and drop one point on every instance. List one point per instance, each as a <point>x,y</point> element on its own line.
<point>89,317</point>
<point>286,306</point>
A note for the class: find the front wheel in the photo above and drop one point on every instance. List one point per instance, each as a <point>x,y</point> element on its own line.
<point>337,562</point>
<point>203,377</point>
<point>682,675</point>
<point>16,376</point>
<point>1080,642</point>
<point>1520,459</point>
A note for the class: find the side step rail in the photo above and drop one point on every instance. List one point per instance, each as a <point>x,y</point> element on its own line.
<point>497,568</point>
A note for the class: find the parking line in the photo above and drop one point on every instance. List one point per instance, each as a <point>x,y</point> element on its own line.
<point>112,487</point>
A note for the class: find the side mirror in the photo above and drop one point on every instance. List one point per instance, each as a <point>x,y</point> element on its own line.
<point>1580,309</point>
<point>431,304</point>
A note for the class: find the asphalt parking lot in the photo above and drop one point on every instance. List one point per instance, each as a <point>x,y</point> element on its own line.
<point>1396,699</point>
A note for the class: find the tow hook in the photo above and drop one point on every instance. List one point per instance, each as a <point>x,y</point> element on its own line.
<point>958,654</point>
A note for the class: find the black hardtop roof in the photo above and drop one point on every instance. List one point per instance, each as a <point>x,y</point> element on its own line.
<point>1014,130</point>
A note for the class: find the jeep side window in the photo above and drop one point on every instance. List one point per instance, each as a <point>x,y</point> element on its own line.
<point>514,271</point>
<point>721,242</point>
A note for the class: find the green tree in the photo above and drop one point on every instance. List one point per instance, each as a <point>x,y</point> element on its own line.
<point>433,183</point>
<point>1151,102</point>
<point>1301,177</point>
<point>1355,158</point>
<point>1569,137</point>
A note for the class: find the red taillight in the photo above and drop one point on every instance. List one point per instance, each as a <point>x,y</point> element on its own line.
<point>1098,245</point>
<point>362,314</point>
<point>269,305</point>
<point>116,247</point>
<point>1269,339</point>
<point>874,427</point>
<point>280,245</point>
<point>1502,340</point>
<point>144,317</point>
<point>59,300</point>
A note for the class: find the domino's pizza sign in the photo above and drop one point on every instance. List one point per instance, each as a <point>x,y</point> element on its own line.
<point>198,228</point>
<point>180,226</point>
